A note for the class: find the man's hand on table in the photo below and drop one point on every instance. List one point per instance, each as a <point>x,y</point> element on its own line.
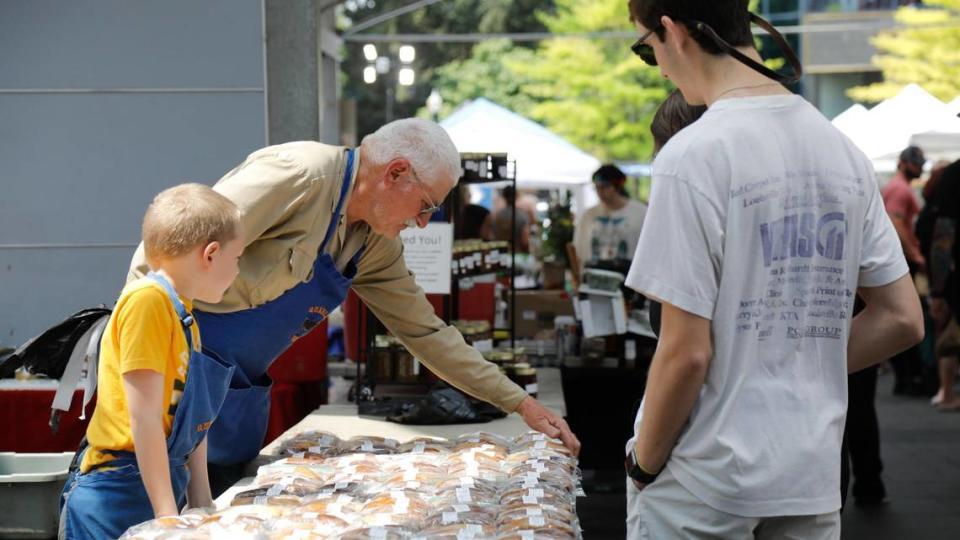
<point>539,418</point>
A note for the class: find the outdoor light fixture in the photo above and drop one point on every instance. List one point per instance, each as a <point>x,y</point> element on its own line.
<point>369,75</point>
<point>382,64</point>
<point>370,52</point>
<point>434,103</point>
<point>407,53</point>
<point>405,77</point>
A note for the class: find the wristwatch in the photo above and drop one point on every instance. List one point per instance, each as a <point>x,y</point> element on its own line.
<point>636,471</point>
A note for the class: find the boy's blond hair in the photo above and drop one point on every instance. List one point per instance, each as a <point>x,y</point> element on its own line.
<point>185,217</point>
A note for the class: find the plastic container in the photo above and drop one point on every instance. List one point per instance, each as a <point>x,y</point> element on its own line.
<point>30,486</point>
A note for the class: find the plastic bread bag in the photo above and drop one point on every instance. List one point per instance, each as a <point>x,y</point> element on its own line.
<point>538,523</point>
<point>539,441</point>
<point>341,506</point>
<point>321,443</point>
<point>306,525</point>
<point>564,514</point>
<point>159,526</point>
<point>532,496</point>
<point>485,438</point>
<point>248,519</point>
<point>532,478</point>
<point>468,495</point>
<point>370,445</point>
<point>462,514</point>
<point>377,533</point>
<point>425,445</point>
<point>461,531</point>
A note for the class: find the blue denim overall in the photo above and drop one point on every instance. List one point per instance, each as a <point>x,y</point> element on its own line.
<point>103,503</point>
<point>253,338</point>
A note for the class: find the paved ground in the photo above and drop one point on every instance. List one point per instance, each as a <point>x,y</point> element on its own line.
<point>921,454</point>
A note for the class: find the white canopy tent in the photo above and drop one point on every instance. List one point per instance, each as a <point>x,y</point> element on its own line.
<point>913,116</point>
<point>544,160</point>
<point>954,106</point>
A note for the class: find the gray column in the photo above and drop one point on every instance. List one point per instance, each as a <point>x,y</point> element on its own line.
<point>301,70</point>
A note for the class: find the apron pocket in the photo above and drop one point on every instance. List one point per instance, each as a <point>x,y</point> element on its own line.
<point>237,435</point>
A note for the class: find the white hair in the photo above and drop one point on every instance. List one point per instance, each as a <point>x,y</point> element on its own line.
<point>425,144</point>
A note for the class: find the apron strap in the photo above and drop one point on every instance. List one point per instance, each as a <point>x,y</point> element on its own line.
<point>186,320</point>
<point>344,188</point>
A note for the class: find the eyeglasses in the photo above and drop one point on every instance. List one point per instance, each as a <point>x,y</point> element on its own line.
<point>645,51</point>
<point>431,207</point>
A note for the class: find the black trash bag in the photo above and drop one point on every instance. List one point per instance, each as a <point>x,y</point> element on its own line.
<point>445,405</point>
<point>48,353</point>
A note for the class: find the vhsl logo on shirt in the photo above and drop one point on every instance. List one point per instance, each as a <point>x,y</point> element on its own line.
<point>802,235</point>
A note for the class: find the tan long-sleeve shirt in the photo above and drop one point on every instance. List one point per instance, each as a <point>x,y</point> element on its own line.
<point>287,195</point>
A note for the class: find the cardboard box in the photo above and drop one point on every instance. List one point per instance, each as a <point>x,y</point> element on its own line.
<point>536,310</point>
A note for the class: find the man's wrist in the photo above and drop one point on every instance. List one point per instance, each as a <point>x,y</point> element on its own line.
<point>637,472</point>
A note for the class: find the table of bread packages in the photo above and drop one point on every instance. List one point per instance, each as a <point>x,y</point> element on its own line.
<point>331,483</point>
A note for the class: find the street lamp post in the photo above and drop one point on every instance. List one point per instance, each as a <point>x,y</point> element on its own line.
<point>381,65</point>
<point>434,104</point>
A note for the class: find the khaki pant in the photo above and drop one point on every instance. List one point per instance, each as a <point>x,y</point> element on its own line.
<point>666,510</point>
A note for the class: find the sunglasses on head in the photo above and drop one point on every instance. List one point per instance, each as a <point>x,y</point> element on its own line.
<point>645,51</point>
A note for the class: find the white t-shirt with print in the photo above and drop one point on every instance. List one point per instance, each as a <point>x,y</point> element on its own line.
<point>605,234</point>
<point>765,219</point>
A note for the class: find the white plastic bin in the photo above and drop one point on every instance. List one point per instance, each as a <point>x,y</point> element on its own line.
<point>30,486</point>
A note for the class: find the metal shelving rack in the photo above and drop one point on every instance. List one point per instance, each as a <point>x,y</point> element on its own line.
<point>478,168</point>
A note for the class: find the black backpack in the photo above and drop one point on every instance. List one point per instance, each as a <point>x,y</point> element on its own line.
<point>68,351</point>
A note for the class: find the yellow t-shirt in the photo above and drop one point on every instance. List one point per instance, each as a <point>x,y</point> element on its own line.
<point>143,333</point>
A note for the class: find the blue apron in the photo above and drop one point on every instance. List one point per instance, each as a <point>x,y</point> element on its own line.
<point>253,338</point>
<point>105,503</point>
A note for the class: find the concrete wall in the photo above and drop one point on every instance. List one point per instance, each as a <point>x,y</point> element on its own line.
<point>103,103</point>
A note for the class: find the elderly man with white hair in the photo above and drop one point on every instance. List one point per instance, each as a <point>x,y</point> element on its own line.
<point>317,221</point>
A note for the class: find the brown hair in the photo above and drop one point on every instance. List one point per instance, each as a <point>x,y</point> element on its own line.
<point>728,18</point>
<point>184,217</point>
<point>673,115</point>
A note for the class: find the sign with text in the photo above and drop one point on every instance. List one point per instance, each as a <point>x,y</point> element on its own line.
<point>428,253</point>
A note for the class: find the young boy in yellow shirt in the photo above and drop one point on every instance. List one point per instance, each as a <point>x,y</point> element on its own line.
<point>158,394</point>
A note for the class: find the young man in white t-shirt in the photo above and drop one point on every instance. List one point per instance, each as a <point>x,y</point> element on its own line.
<point>764,222</point>
<point>608,232</point>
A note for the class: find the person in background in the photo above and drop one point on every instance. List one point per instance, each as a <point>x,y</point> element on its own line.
<point>474,221</point>
<point>755,245</point>
<point>607,233</point>
<point>938,229</point>
<point>158,395</point>
<point>521,225</point>
<point>902,206</point>
<point>673,115</point>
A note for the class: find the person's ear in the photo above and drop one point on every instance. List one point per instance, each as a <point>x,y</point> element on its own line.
<point>396,170</point>
<point>209,251</point>
<point>676,34</point>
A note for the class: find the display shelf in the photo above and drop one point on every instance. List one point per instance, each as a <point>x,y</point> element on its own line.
<point>376,383</point>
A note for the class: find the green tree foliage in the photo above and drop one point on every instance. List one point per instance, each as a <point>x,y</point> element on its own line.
<point>485,74</point>
<point>593,92</point>
<point>449,16</point>
<point>926,52</point>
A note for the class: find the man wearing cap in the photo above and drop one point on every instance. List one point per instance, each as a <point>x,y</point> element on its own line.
<point>902,206</point>
<point>608,232</point>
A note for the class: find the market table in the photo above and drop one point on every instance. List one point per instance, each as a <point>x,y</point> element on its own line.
<point>343,421</point>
